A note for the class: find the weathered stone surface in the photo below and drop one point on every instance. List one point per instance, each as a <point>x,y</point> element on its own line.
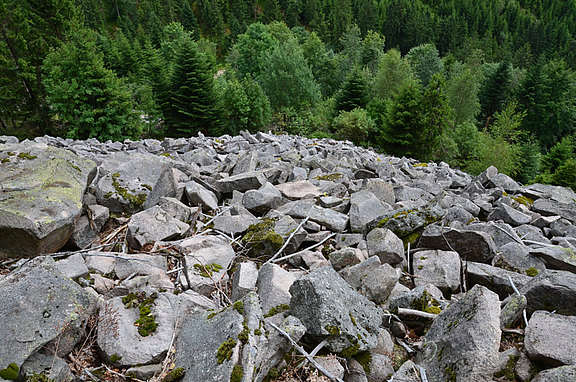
<point>512,311</point>
<point>218,339</point>
<point>386,245</point>
<point>126,340</point>
<point>494,278</point>
<point>244,280</point>
<point>234,224</point>
<point>242,182</point>
<point>274,286</point>
<point>509,215</point>
<point>408,372</point>
<point>198,195</point>
<point>49,365</point>
<point>41,308</point>
<point>41,190</point>
<point>440,268</point>
<point>88,226</point>
<point>462,343</point>
<point>470,245</point>
<point>208,258</point>
<point>558,374</point>
<point>557,257</point>
<point>299,190</point>
<point>552,290</point>
<point>381,189</point>
<point>372,279</point>
<point>330,309</point>
<point>549,207</point>
<point>344,257</point>
<point>365,207</point>
<point>563,227</point>
<point>73,266</point>
<point>131,182</point>
<point>417,298</point>
<point>176,209</point>
<point>548,191</point>
<point>517,256</point>
<point>550,338</point>
<point>262,200</point>
<point>331,219</point>
<point>153,224</point>
<point>406,221</point>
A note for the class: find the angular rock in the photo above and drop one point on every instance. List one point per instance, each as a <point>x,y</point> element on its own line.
<point>417,298</point>
<point>330,309</point>
<point>138,345</point>
<point>439,268</point>
<point>251,180</point>
<point>331,219</point>
<point>88,226</point>
<point>563,227</point>
<point>550,339</point>
<point>494,278</point>
<point>217,337</point>
<point>551,290</point>
<point>517,257</point>
<point>41,308</point>
<point>365,207</point>
<point>41,191</point>
<point>505,182</point>
<point>344,257</point>
<point>405,222</point>
<point>509,215</point>
<point>262,200</point>
<point>234,224</point>
<point>549,207</point>
<point>153,224</point>
<point>470,245</point>
<point>462,343</point>
<point>244,280</point>
<point>408,372</point>
<point>558,374</point>
<point>372,279</point>
<point>49,365</point>
<point>386,245</point>
<point>73,266</point>
<point>512,312</point>
<point>547,191</point>
<point>299,190</point>
<point>198,195</point>
<point>557,257</point>
<point>381,189</point>
<point>132,182</point>
<point>273,286</point>
<point>176,209</point>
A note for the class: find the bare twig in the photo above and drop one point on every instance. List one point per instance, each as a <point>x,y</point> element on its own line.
<point>287,241</point>
<point>108,254</point>
<point>305,354</point>
<point>513,331</point>
<point>304,250</point>
<point>416,313</point>
<point>113,234</point>
<point>518,293</point>
<point>423,376</point>
<point>405,346</point>
<point>68,253</point>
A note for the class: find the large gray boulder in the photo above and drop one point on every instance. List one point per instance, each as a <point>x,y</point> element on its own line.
<point>207,347</point>
<point>549,207</point>
<point>41,190</point>
<point>552,290</point>
<point>462,343</point>
<point>133,182</point>
<point>262,200</point>
<point>372,279</point>
<point>198,195</point>
<point>558,374</point>
<point>331,310</point>
<point>509,215</point>
<point>557,257</point>
<point>494,278</point>
<point>439,268</point>
<point>331,219</point>
<point>41,308</point>
<point>242,182</point>
<point>386,245</point>
<point>470,245</point>
<point>365,207</point>
<point>550,339</point>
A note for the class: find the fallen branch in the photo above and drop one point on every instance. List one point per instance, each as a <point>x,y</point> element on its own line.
<point>308,356</point>
<point>423,376</point>
<point>68,253</point>
<point>304,250</point>
<point>513,331</point>
<point>518,293</point>
<point>416,313</point>
<point>287,241</point>
<point>107,254</point>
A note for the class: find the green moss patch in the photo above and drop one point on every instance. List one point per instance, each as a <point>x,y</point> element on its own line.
<point>26,156</point>
<point>10,373</point>
<point>237,374</point>
<point>330,177</point>
<point>207,270</point>
<point>277,309</point>
<point>226,350</point>
<point>136,200</point>
<point>147,322</point>
<point>262,238</point>
<point>175,374</point>
<point>532,272</point>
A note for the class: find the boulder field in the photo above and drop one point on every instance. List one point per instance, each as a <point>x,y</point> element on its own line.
<point>262,256</point>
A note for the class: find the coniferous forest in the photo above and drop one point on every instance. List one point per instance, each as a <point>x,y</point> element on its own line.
<point>471,83</point>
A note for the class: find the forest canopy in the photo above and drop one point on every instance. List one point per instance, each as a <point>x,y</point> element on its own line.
<point>466,82</point>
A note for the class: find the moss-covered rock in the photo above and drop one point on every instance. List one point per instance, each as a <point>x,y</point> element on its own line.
<point>262,238</point>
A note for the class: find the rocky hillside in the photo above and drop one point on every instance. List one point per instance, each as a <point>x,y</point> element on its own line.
<point>263,257</point>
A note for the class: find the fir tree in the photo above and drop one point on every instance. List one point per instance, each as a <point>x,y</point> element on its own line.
<point>192,105</point>
<point>354,92</point>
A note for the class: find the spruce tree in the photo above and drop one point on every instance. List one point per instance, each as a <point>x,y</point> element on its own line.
<point>494,92</point>
<point>354,92</point>
<point>192,106</point>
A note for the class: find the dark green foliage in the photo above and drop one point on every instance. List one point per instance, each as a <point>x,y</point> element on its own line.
<point>495,92</point>
<point>86,99</point>
<point>425,62</point>
<point>192,106</point>
<point>354,93</point>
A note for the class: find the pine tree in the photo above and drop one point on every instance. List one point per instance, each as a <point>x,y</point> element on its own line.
<point>192,105</point>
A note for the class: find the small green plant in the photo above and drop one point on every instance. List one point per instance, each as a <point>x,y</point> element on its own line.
<point>10,373</point>
<point>532,272</point>
<point>147,322</point>
<point>207,270</point>
<point>225,350</point>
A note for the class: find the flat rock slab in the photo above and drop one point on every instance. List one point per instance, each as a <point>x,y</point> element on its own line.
<point>41,190</point>
<point>365,207</point>
<point>332,310</point>
<point>40,306</point>
<point>207,349</point>
<point>299,190</point>
<point>470,245</point>
<point>557,257</point>
<point>494,278</point>
<point>251,180</point>
<point>331,219</point>
<point>153,224</point>
<point>550,339</point>
<point>439,268</point>
<point>462,343</point>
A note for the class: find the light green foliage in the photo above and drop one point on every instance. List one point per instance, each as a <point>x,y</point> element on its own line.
<point>462,90</point>
<point>86,99</point>
<point>285,64</point>
<point>394,72</point>
<point>248,53</point>
<point>372,50</point>
<point>425,62</point>
<point>355,126</point>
